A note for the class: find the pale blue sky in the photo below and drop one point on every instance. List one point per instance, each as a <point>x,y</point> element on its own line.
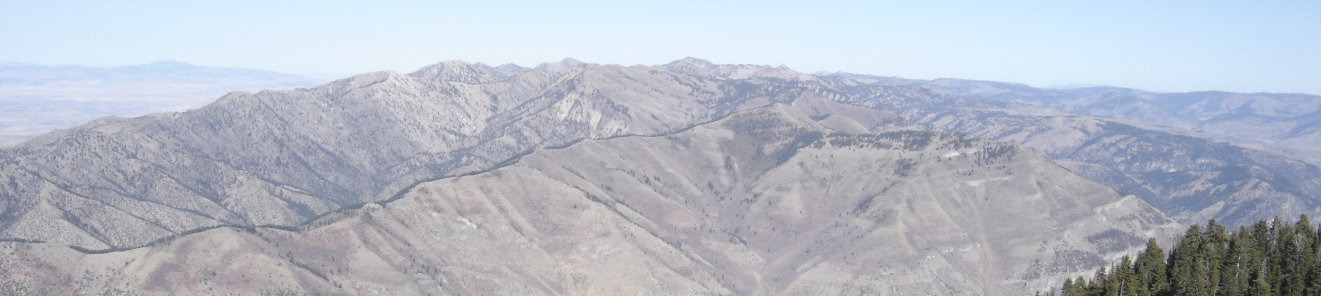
<point>1245,46</point>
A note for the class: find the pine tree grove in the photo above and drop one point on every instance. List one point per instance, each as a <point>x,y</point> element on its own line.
<point>1268,258</point>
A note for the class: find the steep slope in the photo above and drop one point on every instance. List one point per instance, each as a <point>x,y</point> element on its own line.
<point>281,157</point>
<point>1188,177</point>
<point>767,201</point>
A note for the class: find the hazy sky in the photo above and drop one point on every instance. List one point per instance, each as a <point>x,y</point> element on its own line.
<point>1246,46</point>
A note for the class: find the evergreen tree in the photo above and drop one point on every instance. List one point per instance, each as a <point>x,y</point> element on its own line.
<point>1075,287</point>
<point>1235,267</point>
<point>1079,287</point>
<point>1274,262</point>
<point>1098,284</point>
<point>1314,269</point>
<point>1133,287</point>
<point>1120,276</point>
<point>1150,269</point>
<point>1313,282</point>
<point>1260,287</point>
<point>1214,248</point>
<point>1188,274</point>
<point>1274,258</point>
<point>1305,256</point>
<point>1289,278</point>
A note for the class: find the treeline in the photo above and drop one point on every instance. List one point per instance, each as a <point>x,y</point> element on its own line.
<point>1269,258</point>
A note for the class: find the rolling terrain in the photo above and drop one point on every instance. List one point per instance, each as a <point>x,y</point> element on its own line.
<point>285,156</point>
<point>772,200</point>
<point>281,157</point>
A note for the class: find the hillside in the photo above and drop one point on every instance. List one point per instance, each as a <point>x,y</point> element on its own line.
<point>772,200</point>
<point>282,157</point>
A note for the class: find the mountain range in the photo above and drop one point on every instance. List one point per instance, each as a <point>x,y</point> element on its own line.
<point>762,201</point>
<point>1287,122</point>
<point>1190,176</point>
<point>718,179</point>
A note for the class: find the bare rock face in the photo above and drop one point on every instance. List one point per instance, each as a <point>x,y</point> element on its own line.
<point>773,200</point>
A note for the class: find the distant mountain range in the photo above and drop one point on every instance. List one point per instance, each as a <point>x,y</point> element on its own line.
<point>1186,174</point>
<point>35,99</point>
<point>906,186</point>
<point>1283,122</point>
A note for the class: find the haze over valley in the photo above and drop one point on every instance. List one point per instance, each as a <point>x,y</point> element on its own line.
<point>36,99</point>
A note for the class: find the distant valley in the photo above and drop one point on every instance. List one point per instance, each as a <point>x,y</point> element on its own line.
<point>35,99</point>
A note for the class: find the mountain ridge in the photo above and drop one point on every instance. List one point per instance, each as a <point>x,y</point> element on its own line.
<point>670,206</point>
<point>280,157</point>
<point>761,166</point>
<point>241,138</point>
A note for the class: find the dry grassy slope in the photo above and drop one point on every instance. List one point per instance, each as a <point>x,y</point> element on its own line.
<point>281,157</point>
<point>768,201</point>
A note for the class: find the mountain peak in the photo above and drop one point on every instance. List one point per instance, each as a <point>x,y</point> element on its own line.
<point>693,61</point>
<point>570,61</point>
<point>371,78</point>
<point>464,72</point>
<point>512,68</point>
<point>565,64</point>
<point>692,66</point>
<point>700,67</point>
